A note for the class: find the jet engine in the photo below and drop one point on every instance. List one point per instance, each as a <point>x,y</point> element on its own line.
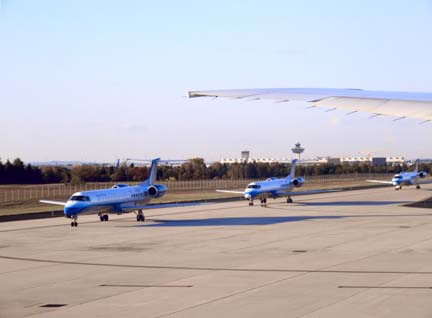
<point>298,182</point>
<point>157,190</point>
<point>422,174</point>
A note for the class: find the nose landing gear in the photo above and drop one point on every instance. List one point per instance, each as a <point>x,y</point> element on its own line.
<point>140,216</point>
<point>74,223</point>
<point>103,217</point>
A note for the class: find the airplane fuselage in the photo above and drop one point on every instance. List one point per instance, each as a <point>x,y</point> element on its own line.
<point>271,187</point>
<point>109,200</point>
<point>405,179</point>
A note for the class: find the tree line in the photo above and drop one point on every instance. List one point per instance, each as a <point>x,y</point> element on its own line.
<point>16,172</point>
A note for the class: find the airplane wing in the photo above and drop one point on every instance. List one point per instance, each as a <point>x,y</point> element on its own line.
<point>229,191</point>
<point>380,181</point>
<point>53,202</point>
<point>398,104</point>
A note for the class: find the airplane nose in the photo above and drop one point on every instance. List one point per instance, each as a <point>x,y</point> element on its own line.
<point>247,196</point>
<point>71,210</point>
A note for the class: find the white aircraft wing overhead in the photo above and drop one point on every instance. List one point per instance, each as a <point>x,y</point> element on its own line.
<point>398,104</point>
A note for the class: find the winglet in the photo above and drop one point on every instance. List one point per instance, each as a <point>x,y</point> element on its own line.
<point>193,94</point>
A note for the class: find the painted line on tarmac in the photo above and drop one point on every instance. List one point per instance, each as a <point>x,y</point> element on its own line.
<point>219,269</point>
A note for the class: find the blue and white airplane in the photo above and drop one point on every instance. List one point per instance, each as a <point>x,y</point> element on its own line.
<point>406,179</point>
<point>275,188</point>
<point>119,199</point>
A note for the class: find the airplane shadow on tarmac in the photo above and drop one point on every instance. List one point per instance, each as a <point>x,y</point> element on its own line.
<point>265,220</point>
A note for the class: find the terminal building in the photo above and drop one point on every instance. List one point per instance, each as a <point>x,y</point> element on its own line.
<point>375,161</point>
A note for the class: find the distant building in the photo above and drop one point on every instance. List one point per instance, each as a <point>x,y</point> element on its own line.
<point>245,155</point>
<point>394,161</point>
<point>260,160</point>
<point>314,161</point>
<point>355,160</point>
<point>379,161</point>
<point>376,161</point>
<point>334,161</point>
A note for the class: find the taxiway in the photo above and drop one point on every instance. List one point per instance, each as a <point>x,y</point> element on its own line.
<point>349,254</point>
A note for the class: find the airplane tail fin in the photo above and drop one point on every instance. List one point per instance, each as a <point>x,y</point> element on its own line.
<point>417,164</point>
<point>293,166</point>
<point>153,173</point>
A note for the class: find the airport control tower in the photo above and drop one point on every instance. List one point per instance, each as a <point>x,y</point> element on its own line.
<point>298,149</point>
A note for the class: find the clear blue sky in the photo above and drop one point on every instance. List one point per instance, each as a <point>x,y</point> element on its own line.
<point>100,80</point>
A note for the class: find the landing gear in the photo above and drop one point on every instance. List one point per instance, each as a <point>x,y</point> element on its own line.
<point>74,223</point>
<point>263,201</point>
<point>250,203</point>
<point>103,217</point>
<point>140,216</point>
<point>418,187</point>
<point>397,188</point>
<point>289,200</point>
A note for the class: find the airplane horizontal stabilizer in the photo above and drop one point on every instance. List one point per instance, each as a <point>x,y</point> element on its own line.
<point>53,202</point>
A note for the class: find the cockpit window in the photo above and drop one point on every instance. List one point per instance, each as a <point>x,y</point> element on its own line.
<point>80,198</point>
<point>116,186</point>
<point>254,186</point>
<point>397,177</point>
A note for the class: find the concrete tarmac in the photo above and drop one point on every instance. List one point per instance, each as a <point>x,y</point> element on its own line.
<point>350,254</point>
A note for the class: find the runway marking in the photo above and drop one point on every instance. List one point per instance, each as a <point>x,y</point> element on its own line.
<point>388,287</point>
<point>147,286</point>
<point>220,269</point>
<point>237,293</point>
